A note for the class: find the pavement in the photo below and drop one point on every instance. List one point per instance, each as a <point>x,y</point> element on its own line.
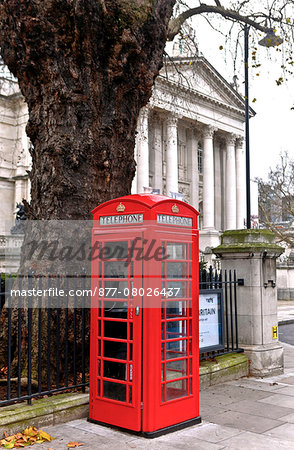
<point>249,413</point>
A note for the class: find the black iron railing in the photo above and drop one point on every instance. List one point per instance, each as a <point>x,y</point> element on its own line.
<point>44,349</point>
<point>226,281</point>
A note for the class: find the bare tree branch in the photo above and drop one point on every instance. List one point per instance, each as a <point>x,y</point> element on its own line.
<point>213,26</point>
<point>176,23</point>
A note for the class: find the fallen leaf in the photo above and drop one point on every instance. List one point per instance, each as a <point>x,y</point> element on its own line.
<point>32,431</point>
<point>75,444</point>
<point>45,436</point>
<point>18,436</point>
<point>9,444</point>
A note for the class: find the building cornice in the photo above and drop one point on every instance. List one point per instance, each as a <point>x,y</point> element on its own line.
<point>219,80</point>
<point>175,89</point>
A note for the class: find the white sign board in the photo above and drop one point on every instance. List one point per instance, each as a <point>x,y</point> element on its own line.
<point>208,320</point>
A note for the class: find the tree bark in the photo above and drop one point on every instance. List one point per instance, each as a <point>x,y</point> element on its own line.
<point>85,68</point>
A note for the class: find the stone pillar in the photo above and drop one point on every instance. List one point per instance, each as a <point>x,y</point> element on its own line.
<point>20,192</point>
<point>157,148</point>
<point>143,152</point>
<point>208,178</point>
<point>193,173</point>
<point>217,187</point>
<point>171,155</point>
<point>240,184</point>
<point>223,185</point>
<point>253,254</point>
<point>231,183</point>
<point>20,175</point>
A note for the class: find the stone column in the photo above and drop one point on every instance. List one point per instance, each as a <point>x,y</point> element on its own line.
<point>143,152</point>
<point>240,184</point>
<point>20,174</point>
<point>231,183</point>
<point>171,155</point>
<point>217,187</point>
<point>253,254</point>
<point>193,173</point>
<point>223,185</point>
<point>20,190</point>
<point>157,148</point>
<point>208,178</point>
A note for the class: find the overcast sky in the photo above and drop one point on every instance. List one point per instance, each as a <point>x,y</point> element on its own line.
<point>271,130</point>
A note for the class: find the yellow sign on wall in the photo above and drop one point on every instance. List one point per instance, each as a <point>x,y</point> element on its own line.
<point>275,332</point>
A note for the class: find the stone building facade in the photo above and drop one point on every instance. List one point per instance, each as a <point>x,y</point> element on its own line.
<point>15,159</point>
<point>189,142</point>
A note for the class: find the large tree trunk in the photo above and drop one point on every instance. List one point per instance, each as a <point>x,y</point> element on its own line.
<point>85,69</point>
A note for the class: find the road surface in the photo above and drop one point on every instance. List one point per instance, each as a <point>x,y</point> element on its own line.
<point>286,333</point>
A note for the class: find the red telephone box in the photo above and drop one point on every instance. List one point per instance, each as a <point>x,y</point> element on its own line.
<point>144,369</point>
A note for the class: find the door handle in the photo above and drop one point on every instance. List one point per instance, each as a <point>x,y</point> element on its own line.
<point>137,310</point>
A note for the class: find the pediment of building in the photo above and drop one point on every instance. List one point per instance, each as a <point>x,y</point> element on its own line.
<point>199,77</point>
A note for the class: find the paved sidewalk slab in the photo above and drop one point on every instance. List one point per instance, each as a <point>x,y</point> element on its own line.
<point>279,400</point>
<point>244,421</point>
<point>288,418</point>
<point>259,384</point>
<point>260,409</point>
<point>209,432</point>
<point>286,390</point>
<point>286,429</point>
<point>253,441</point>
